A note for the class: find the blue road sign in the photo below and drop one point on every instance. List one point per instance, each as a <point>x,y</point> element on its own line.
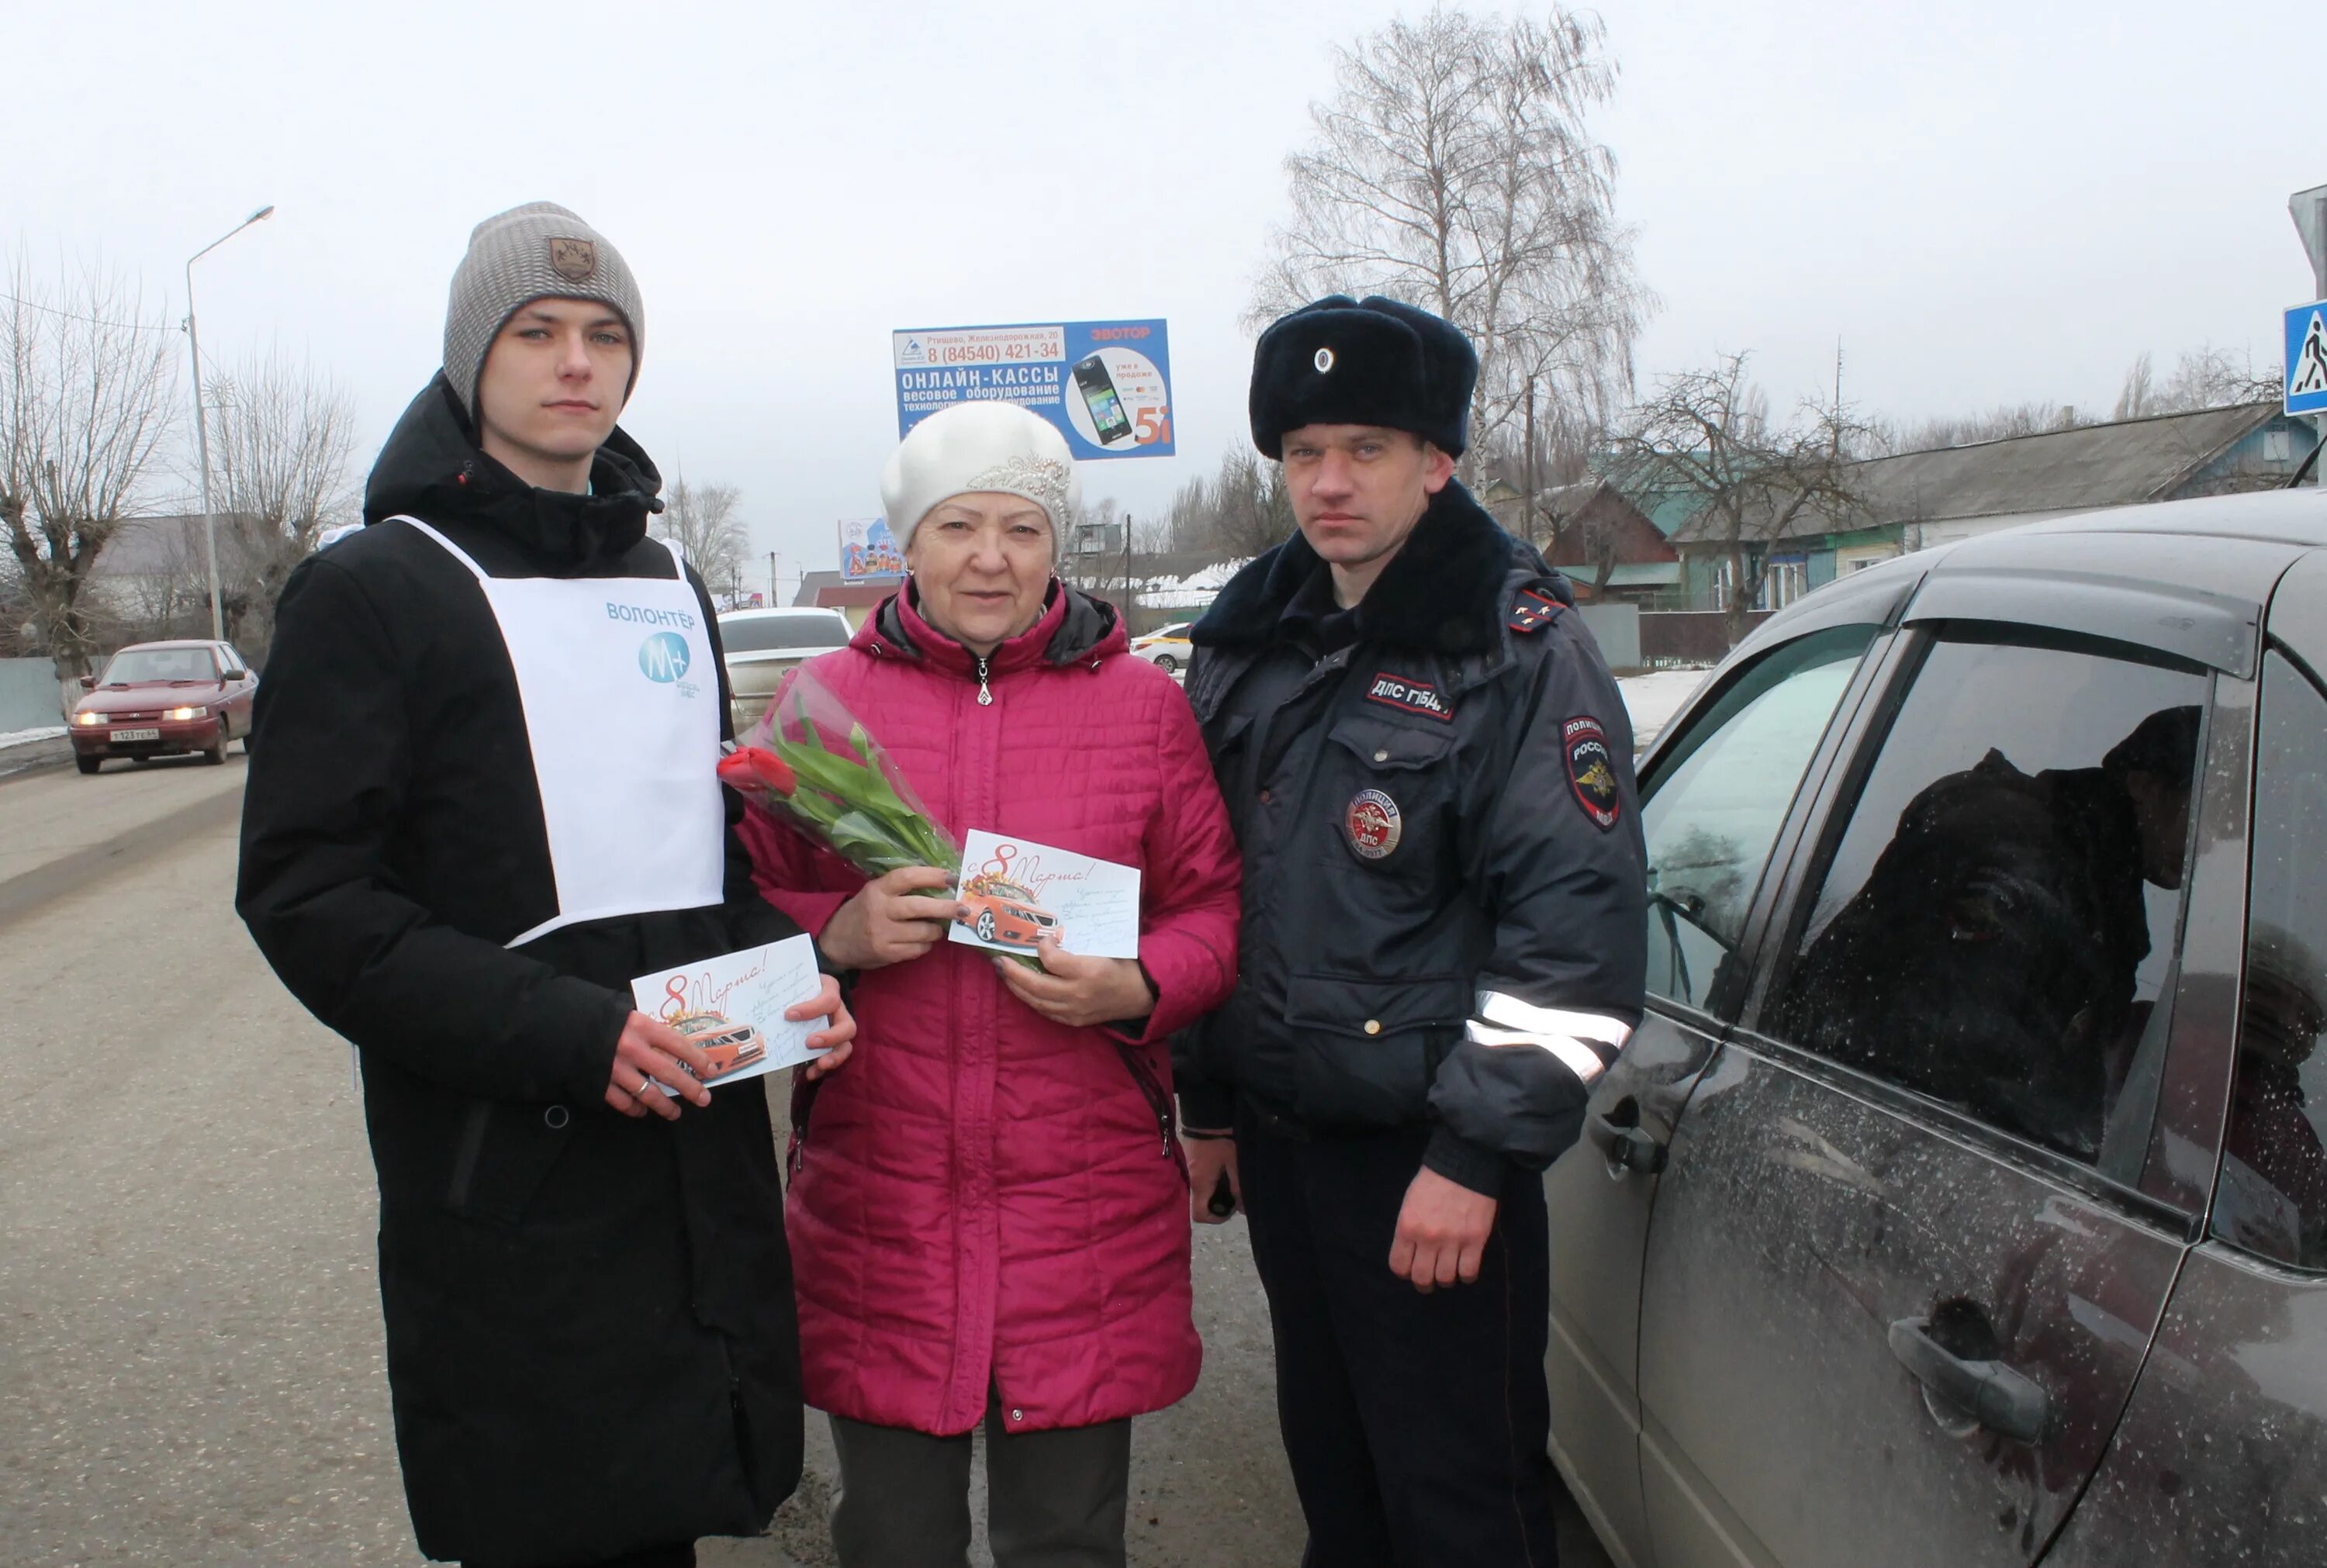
<point>1106,385</point>
<point>2306,359</point>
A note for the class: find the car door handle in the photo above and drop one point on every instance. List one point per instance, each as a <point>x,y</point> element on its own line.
<point>2007,1402</point>
<point>1628,1145</point>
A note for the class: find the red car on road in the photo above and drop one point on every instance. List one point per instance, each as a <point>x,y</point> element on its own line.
<point>163,699</point>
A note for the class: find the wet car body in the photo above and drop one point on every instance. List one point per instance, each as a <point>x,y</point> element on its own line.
<point>163,699</point>
<point>762,646</point>
<point>1962,1198</point>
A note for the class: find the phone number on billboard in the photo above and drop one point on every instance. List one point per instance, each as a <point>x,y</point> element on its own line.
<point>976,354</point>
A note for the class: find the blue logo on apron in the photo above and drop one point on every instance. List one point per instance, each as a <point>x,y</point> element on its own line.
<point>663,657</point>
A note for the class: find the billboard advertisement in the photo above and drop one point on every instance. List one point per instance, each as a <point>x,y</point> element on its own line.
<point>868,550</point>
<point>1106,386</point>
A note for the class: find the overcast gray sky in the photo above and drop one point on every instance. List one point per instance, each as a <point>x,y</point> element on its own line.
<point>1985,201</point>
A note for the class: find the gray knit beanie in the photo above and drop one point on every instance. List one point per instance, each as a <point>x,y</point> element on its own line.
<point>537,251</point>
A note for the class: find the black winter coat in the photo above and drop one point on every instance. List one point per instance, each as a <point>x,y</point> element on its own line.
<point>591,1340</point>
<point>1435,800</point>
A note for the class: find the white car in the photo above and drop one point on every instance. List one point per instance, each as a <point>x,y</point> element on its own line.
<point>1166,647</point>
<point>760,645</point>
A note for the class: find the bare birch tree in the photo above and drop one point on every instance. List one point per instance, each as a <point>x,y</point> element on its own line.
<point>702,521</point>
<point>1453,169</point>
<point>283,437</point>
<point>2204,376</point>
<point>1708,435</point>
<point>1242,510</point>
<point>87,379</point>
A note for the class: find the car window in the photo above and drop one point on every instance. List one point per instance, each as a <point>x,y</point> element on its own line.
<point>2273,1195</point>
<point>1720,794</point>
<point>2000,914</point>
<point>138,665</point>
<point>765,633</point>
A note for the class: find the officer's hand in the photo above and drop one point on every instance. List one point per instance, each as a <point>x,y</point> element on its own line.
<point>839,1032</point>
<point>1076,991</point>
<point>889,920</point>
<point>1209,1161</point>
<point>652,1052</point>
<point>1442,1232</point>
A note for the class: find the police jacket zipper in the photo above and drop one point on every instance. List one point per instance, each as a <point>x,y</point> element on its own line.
<point>985,692</point>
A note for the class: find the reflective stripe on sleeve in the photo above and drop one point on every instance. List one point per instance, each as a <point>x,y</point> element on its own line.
<point>1499,1007</point>
<point>1579,1057</point>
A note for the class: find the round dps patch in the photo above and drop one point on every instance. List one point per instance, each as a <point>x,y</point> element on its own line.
<point>1374,823</point>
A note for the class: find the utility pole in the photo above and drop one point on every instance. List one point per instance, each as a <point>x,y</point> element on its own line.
<point>1126,573</point>
<point>774,597</point>
<point>202,419</point>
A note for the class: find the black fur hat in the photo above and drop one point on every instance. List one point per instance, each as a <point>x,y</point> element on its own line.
<point>1371,361</point>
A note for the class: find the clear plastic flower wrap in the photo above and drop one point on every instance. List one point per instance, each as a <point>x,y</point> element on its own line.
<point>847,795</point>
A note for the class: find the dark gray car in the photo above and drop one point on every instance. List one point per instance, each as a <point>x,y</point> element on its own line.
<point>1963,1196</point>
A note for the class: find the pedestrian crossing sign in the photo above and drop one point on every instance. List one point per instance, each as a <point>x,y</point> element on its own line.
<point>2306,359</point>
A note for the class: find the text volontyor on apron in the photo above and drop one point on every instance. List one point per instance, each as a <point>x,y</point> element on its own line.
<point>621,713</point>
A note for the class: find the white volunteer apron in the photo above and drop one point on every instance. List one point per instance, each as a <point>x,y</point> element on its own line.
<point>621,710</point>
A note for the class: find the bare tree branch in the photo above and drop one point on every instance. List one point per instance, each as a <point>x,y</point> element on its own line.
<point>87,379</point>
<point>284,436</point>
<point>1708,435</point>
<point>1453,169</point>
<point>703,521</point>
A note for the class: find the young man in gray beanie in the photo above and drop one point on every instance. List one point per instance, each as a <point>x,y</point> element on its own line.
<point>482,801</point>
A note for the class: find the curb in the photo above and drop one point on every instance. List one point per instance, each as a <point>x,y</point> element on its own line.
<point>23,895</point>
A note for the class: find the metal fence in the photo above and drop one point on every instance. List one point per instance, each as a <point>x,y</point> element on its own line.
<point>1675,638</point>
<point>29,696</point>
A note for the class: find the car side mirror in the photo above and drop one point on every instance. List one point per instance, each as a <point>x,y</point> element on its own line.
<point>89,682</point>
<point>237,674</point>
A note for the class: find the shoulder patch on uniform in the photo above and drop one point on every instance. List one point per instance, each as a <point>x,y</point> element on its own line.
<point>1591,770</point>
<point>1409,695</point>
<point>1532,611</point>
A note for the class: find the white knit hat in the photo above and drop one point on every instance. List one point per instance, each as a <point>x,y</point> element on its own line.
<point>979,446</point>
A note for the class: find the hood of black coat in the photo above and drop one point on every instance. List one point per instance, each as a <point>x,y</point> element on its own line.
<point>433,468</point>
<point>1447,591</point>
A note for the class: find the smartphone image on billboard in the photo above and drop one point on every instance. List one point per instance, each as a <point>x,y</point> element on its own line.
<point>1097,388</point>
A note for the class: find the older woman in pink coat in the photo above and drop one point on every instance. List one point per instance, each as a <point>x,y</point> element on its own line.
<point>988,1213</point>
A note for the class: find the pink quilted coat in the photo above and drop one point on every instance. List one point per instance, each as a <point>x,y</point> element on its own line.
<point>982,1196</point>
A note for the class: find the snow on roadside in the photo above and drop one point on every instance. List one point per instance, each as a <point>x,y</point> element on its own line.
<point>1652,700</point>
<point>27,737</point>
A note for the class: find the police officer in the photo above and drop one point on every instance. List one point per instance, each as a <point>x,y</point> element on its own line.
<point>1429,770</point>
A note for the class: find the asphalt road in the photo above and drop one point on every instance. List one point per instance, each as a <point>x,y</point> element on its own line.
<point>191,1370</point>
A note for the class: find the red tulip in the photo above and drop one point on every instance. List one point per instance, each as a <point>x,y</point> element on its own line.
<point>756,768</point>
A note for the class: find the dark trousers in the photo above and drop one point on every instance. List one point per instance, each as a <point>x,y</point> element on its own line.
<point>1417,1426</point>
<point>1053,1500</point>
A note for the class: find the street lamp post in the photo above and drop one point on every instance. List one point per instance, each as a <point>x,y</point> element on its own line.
<point>202,419</point>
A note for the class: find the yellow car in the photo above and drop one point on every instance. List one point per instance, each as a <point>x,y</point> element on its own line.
<point>1166,647</point>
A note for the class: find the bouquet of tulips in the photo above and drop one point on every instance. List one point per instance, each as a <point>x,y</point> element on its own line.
<point>851,799</point>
